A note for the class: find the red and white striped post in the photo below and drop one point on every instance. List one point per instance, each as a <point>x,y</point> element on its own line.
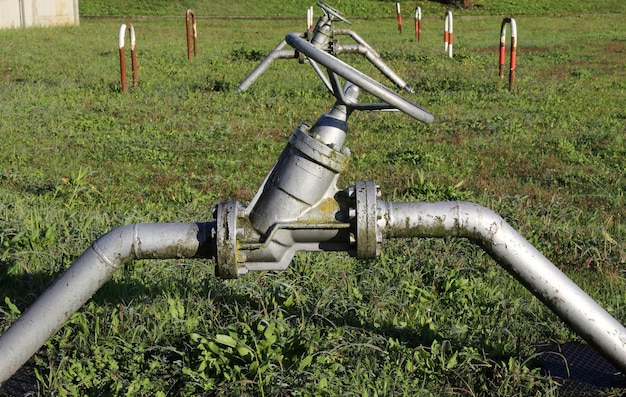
<point>447,33</point>
<point>399,17</point>
<point>418,24</point>
<point>510,21</point>
<point>309,18</point>
<point>133,55</point>
<point>191,33</point>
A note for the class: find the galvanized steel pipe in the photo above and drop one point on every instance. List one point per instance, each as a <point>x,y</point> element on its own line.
<point>375,59</point>
<point>321,37</point>
<point>81,280</point>
<point>276,53</point>
<point>518,257</point>
<point>354,35</point>
<point>365,82</point>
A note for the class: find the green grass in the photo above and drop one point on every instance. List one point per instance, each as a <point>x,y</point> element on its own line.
<point>430,317</point>
<point>358,9</point>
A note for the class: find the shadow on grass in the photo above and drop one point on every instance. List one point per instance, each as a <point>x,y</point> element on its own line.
<point>579,369</point>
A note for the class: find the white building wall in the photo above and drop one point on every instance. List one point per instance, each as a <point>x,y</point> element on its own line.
<point>26,13</point>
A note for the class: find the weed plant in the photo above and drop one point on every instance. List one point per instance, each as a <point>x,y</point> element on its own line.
<point>429,317</point>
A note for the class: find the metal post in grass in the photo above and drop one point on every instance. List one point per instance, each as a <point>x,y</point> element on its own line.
<point>418,24</point>
<point>399,17</point>
<point>192,33</point>
<point>511,22</point>
<point>309,18</point>
<point>447,33</point>
<point>133,56</point>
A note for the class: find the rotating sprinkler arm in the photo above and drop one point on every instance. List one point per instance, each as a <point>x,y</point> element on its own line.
<point>300,208</point>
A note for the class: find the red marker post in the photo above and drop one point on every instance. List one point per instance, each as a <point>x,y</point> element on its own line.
<point>309,18</point>
<point>133,55</point>
<point>448,33</point>
<point>511,22</point>
<point>399,17</point>
<point>418,23</point>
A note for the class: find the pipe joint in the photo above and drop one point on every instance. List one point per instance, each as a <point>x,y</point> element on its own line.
<point>368,236</point>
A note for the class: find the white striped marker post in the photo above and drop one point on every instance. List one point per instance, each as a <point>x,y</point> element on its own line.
<point>512,66</point>
<point>447,33</point>
<point>418,23</point>
<point>133,56</point>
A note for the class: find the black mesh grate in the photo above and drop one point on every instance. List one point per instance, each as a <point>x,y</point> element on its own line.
<point>580,369</point>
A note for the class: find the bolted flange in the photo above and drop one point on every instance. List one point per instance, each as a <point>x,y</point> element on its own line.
<point>227,264</point>
<point>368,238</point>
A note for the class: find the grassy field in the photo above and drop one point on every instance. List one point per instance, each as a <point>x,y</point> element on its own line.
<point>429,317</point>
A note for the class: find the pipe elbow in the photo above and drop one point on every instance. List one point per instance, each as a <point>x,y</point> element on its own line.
<point>442,219</point>
<point>155,241</point>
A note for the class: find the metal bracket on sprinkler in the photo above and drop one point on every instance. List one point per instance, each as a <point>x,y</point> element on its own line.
<point>323,37</point>
<point>299,207</point>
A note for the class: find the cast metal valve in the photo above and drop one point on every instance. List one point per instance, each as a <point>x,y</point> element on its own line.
<point>299,206</point>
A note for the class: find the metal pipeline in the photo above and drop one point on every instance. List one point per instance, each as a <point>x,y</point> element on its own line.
<point>359,78</point>
<point>300,208</point>
<point>518,257</point>
<point>276,53</point>
<point>375,59</point>
<point>370,53</point>
<point>94,267</point>
<point>354,36</point>
<point>321,37</point>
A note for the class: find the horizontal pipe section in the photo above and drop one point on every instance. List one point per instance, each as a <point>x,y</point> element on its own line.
<point>95,266</point>
<point>355,36</point>
<point>518,257</point>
